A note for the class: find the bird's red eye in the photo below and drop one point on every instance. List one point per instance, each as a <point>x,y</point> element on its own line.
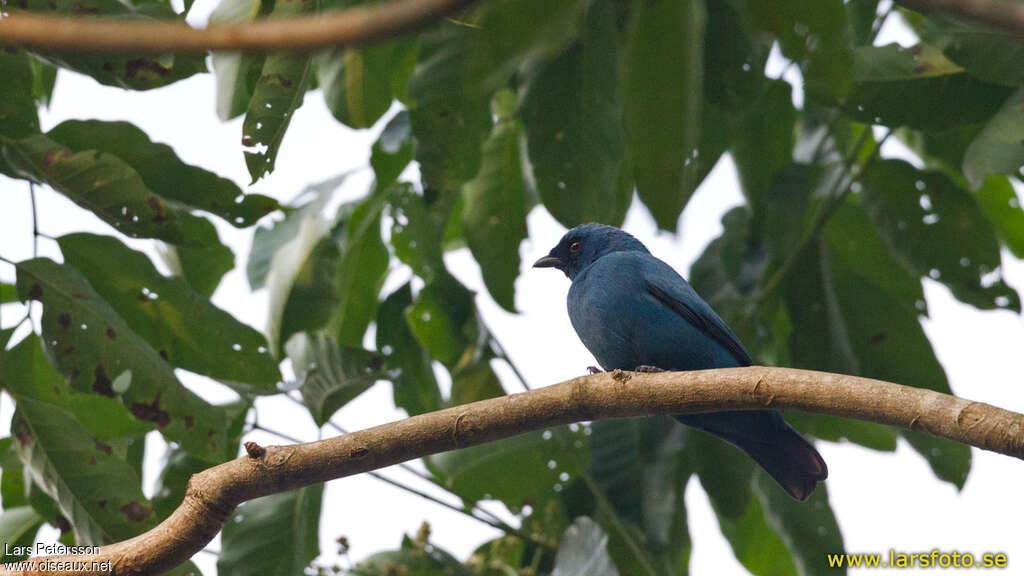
<point>574,247</point>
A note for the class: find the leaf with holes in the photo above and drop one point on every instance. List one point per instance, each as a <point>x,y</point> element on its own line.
<point>202,264</point>
<point>663,69</point>
<point>101,183</point>
<point>276,534</point>
<point>919,88</point>
<point>186,328</point>
<point>572,114</point>
<point>937,229</point>
<point>815,34</point>
<point>449,121</point>
<point>30,375</point>
<point>236,72</point>
<point>278,93</point>
<point>98,493</point>
<point>515,470</point>
<point>332,375</point>
<point>494,217</point>
<point>92,345</point>
<point>163,172</point>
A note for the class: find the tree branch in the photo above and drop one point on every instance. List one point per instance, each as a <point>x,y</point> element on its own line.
<point>1000,14</point>
<point>356,25</point>
<point>214,493</point>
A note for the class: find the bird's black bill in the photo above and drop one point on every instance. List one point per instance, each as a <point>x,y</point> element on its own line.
<point>548,262</point>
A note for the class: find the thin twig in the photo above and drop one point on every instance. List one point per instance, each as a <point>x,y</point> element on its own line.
<point>356,25</point>
<point>35,219</point>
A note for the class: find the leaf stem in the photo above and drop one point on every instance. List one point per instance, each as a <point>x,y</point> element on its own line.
<point>616,523</point>
<point>35,219</point>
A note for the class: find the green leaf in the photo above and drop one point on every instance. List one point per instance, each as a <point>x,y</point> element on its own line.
<point>724,473</point>
<point>583,551</point>
<point>734,57</point>
<point>415,387</point>
<point>494,217</point>
<point>764,143</point>
<point>449,120</point>
<point>443,319</point>
<point>808,528</point>
<point>831,332</point>
<point>202,265</point>
<point>998,200</point>
<point>93,345</point>
<point>572,116</point>
<point>236,72</point>
<point>662,75</point>
<point>276,96</point>
<point>30,375</point>
<point>331,375</point>
<point>937,229</point>
<point>179,465</point>
<point>98,493</point>
<point>756,545</point>
<point>358,82</point>
<point>392,151</point>
<point>185,328</point>
<point>163,172</point>
<point>987,54</point>
<point>18,527</point>
<point>815,34</point>
<point>361,268</point>
<point>18,117</point>
<point>862,15</point>
<point>8,294</point>
<point>266,242</point>
<point>999,148</point>
<point>101,183</point>
<point>476,380</point>
<point>44,78</point>
<point>417,229</point>
<point>276,535</point>
<point>414,558</point>
<point>516,470</point>
<point>918,87</point>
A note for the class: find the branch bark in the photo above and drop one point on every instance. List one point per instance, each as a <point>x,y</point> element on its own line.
<point>214,493</point>
<point>356,25</point>
<point>999,14</point>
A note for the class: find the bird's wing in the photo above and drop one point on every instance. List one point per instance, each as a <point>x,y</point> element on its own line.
<point>682,299</point>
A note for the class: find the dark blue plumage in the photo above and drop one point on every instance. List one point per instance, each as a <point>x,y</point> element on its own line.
<point>631,309</point>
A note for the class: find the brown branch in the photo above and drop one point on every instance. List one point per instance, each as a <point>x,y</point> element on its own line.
<point>1000,14</point>
<point>214,493</point>
<point>356,25</point>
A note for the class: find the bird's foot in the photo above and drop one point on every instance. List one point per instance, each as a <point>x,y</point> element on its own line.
<point>594,370</point>
<point>645,369</point>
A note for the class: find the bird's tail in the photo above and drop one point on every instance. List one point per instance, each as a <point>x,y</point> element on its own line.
<point>790,459</point>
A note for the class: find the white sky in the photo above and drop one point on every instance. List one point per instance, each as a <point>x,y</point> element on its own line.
<point>882,500</point>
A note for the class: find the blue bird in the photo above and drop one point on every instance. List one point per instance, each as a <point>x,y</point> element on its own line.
<point>631,310</point>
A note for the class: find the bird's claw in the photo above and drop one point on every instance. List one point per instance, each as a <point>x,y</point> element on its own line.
<point>594,370</point>
<point>645,369</point>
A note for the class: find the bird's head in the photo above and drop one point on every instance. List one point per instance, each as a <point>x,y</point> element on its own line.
<point>584,245</point>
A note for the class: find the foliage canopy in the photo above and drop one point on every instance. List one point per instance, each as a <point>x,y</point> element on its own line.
<point>571,105</point>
